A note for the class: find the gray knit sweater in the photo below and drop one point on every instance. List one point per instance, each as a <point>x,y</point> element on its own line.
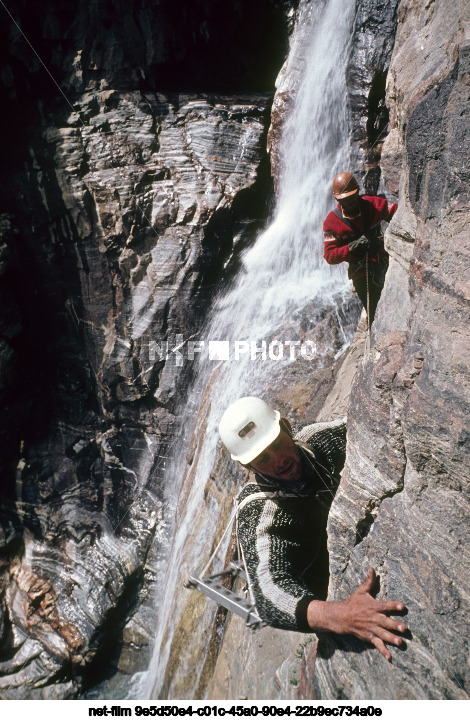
<point>282,529</point>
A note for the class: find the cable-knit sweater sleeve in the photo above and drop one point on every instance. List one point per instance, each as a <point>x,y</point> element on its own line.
<point>273,544</point>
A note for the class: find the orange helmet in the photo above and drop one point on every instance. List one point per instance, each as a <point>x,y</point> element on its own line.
<point>344,184</point>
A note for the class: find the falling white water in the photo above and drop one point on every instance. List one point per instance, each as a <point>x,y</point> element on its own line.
<point>282,273</point>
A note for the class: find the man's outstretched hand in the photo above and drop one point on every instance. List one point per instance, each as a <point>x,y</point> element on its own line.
<point>361,615</point>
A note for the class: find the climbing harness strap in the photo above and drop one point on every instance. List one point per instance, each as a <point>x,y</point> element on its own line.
<point>228,526</point>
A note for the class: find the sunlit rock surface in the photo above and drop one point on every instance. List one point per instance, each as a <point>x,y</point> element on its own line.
<point>402,506</point>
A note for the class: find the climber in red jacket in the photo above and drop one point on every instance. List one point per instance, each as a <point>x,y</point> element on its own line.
<point>352,233</point>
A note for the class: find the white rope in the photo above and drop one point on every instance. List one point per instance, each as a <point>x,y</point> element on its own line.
<point>234,513</point>
<point>239,548</point>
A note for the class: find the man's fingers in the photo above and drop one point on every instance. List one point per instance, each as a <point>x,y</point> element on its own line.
<point>389,606</point>
<point>380,646</point>
<point>391,624</point>
<point>387,637</point>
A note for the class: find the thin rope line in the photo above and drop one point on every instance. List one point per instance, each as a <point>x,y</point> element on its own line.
<point>367,340</point>
<point>384,130</point>
<point>41,61</point>
<point>234,513</point>
<point>132,194</point>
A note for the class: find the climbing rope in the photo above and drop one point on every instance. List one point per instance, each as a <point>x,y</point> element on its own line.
<point>229,524</point>
<point>241,557</point>
<point>367,339</point>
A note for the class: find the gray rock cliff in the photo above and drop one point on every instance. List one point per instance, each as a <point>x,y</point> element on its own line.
<point>134,169</point>
<point>123,205</point>
<point>402,506</point>
<point>319,397</point>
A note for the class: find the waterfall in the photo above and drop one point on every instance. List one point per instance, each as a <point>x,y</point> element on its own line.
<point>281,274</point>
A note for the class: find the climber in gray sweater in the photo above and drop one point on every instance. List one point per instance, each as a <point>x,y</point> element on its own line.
<point>281,525</point>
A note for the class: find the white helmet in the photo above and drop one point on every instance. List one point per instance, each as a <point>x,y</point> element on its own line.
<point>247,427</point>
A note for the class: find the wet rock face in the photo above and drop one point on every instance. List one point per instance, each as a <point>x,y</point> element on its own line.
<point>402,503</point>
<point>136,202</point>
<point>372,41</point>
<point>119,216</point>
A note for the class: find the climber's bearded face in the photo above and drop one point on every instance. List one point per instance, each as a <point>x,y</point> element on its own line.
<point>280,460</point>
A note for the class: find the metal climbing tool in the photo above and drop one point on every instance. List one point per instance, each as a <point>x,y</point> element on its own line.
<point>212,587</point>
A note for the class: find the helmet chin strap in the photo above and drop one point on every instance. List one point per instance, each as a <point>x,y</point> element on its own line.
<point>286,426</point>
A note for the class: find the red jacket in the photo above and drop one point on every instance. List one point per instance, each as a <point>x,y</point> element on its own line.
<point>337,234</point>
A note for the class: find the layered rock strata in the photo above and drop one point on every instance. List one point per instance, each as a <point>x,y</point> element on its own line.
<point>121,212</point>
<point>136,200</point>
<point>403,501</point>
<point>118,216</point>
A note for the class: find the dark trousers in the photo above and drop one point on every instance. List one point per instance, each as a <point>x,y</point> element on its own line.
<point>376,283</point>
